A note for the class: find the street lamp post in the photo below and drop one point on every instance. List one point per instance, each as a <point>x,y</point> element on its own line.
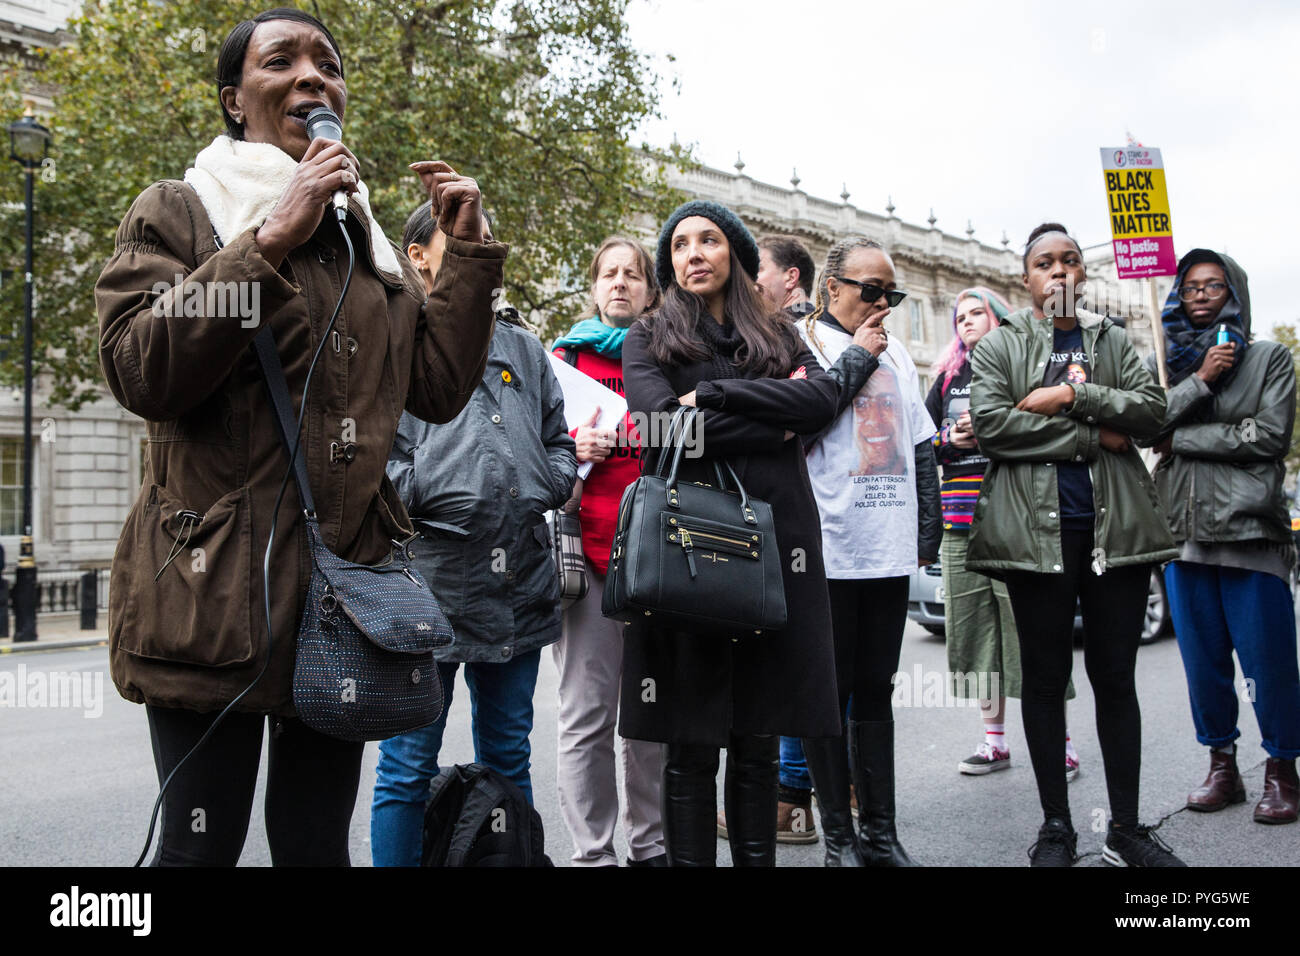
<point>29,142</point>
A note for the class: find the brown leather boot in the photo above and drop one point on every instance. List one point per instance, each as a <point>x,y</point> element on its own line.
<point>794,823</point>
<point>1223,786</point>
<point>1281,800</point>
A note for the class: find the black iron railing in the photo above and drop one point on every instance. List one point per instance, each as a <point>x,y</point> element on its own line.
<point>60,592</point>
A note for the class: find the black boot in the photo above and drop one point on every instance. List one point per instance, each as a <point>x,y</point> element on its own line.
<point>750,793</point>
<point>690,805</point>
<point>873,774</point>
<point>828,763</point>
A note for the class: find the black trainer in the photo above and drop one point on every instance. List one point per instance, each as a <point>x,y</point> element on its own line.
<point>1137,846</point>
<point>1056,844</point>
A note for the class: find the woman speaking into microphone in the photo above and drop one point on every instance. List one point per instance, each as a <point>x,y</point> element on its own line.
<point>188,634</point>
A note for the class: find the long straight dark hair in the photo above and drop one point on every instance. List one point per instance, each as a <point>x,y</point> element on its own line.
<point>768,342</point>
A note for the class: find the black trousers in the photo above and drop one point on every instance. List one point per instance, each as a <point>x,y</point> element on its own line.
<point>868,616</point>
<point>1114,607</point>
<point>311,788</point>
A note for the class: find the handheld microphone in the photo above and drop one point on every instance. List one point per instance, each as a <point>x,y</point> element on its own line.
<point>323,123</point>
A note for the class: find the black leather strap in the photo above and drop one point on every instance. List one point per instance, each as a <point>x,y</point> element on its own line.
<point>268,356</point>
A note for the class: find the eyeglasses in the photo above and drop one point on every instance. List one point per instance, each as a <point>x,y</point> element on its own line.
<point>871,292</point>
<point>1213,289</point>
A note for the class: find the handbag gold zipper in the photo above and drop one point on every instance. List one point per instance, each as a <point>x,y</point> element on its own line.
<point>689,537</point>
<point>707,536</point>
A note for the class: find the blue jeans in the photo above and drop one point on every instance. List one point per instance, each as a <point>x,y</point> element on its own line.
<point>501,711</point>
<point>794,769</point>
<point>1216,611</point>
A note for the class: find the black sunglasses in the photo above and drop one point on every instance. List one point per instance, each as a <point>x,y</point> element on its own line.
<point>871,292</point>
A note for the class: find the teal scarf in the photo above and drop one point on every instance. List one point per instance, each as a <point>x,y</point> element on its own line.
<point>594,334</point>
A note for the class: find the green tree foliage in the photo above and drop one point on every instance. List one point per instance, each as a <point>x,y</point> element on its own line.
<point>1285,333</point>
<point>536,99</point>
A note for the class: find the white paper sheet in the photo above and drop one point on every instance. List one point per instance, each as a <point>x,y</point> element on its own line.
<point>582,394</point>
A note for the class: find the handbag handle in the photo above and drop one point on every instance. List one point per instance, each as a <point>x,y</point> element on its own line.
<point>688,419</point>
<point>670,438</point>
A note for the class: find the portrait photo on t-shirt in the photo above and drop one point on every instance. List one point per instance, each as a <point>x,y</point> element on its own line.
<point>881,428</point>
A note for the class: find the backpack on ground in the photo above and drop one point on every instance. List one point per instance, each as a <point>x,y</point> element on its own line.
<point>477,817</point>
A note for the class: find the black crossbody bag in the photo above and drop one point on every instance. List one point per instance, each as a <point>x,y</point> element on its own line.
<point>364,668</point>
<point>693,555</point>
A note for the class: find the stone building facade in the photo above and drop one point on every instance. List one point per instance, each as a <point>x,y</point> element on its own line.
<point>28,24</point>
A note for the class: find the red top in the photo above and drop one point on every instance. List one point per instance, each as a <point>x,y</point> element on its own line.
<point>604,486</point>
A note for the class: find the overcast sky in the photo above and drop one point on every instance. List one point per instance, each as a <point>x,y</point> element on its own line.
<point>996,111</point>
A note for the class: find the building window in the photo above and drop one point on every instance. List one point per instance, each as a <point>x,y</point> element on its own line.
<point>916,314</point>
<point>11,486</point>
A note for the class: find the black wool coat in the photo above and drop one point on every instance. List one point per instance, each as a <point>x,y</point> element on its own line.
<point>705,685</point>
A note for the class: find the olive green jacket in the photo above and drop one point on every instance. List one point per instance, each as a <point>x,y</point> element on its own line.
<point>1016,526</point>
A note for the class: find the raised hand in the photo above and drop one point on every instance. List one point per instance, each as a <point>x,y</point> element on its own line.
<point>871,334</point>
<point>457,202</point>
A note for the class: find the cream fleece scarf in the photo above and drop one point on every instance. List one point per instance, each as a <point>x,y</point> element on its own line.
<point>239,184</point>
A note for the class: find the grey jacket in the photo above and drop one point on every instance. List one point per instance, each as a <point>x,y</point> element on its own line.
<point>476,489</point>
<point>1223,481</point>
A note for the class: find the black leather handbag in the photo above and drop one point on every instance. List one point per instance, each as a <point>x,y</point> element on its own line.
<point>693,555</point>
<point>364,668</point>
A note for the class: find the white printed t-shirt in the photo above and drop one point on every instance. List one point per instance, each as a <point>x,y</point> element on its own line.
<point>863,470</point>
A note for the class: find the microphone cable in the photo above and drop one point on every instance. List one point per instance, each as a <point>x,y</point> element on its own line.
<point>275,518</point>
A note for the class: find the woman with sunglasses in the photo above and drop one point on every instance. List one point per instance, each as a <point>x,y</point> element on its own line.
<point>1068,515</point>
<point>877,489</point>
<point>716,345</point>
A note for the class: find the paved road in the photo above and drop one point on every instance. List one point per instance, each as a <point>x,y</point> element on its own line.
<point>78,790</point>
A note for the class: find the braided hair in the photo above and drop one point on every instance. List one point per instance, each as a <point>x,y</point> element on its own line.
<point>835,257</point>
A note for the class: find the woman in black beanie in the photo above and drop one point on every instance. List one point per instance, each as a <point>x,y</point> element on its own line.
<point>715,345</point>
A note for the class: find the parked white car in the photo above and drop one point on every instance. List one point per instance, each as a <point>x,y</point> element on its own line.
<point>925,602</point>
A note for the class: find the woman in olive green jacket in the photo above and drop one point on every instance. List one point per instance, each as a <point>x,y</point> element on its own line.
<point>1068,514</point>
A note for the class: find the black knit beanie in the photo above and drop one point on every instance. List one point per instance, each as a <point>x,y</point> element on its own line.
<point>742,241</point>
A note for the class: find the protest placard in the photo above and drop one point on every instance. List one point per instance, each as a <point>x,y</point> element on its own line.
<point>1139,212</point>
<point>1140,227</point>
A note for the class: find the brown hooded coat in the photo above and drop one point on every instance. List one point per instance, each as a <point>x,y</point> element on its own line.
<point>195,636</point>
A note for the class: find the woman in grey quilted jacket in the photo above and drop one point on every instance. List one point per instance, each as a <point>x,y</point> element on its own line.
<point>476,488</point>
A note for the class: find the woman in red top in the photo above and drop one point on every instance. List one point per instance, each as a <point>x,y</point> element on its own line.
<point>589,655</point>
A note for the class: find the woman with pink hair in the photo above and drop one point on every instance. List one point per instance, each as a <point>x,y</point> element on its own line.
<point>983,649</point>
